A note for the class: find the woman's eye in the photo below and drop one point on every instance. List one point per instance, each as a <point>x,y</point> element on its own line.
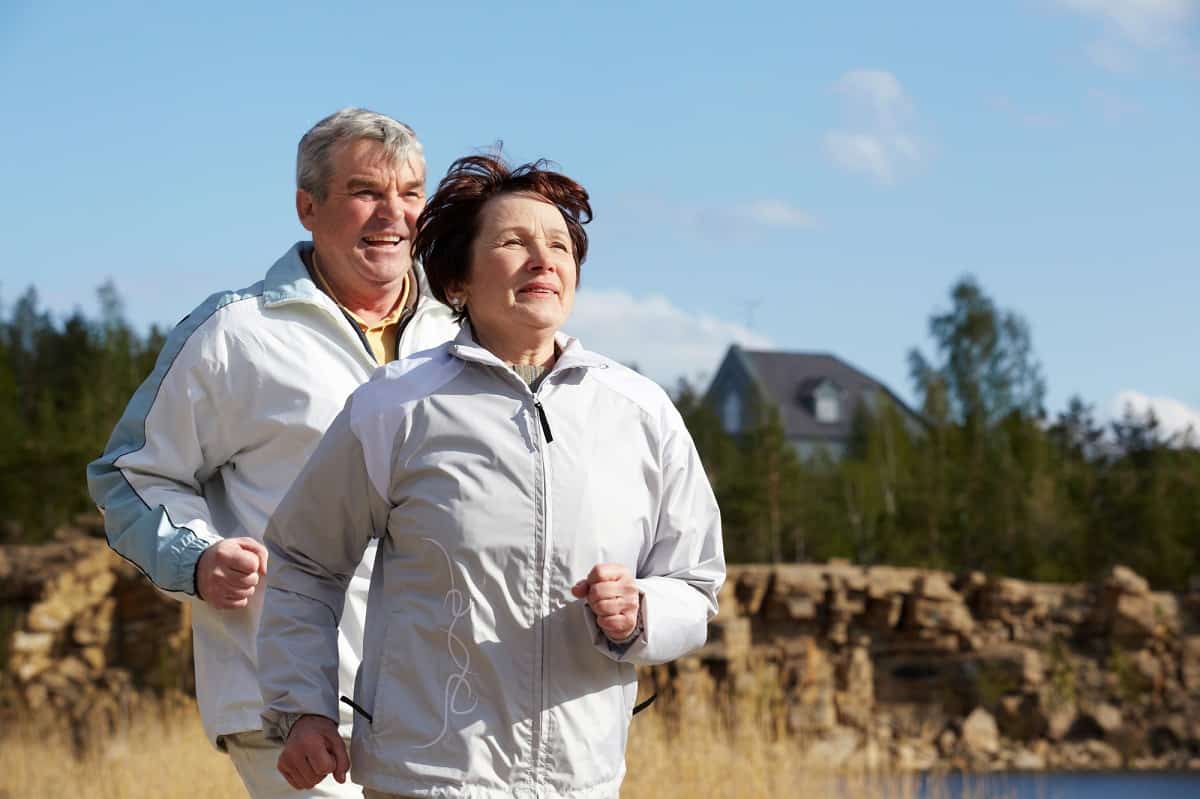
<point>560,245</point>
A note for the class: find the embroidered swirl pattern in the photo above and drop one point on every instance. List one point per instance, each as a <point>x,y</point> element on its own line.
<point>460,698</point>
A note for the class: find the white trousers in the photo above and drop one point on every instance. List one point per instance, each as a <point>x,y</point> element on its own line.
<point>255,757</point>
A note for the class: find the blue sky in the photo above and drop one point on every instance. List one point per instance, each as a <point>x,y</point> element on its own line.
<point>802,179</point>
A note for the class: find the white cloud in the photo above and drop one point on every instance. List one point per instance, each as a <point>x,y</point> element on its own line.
<point>1135,25</point>
<point>1113,107</point>
<point>1030,119</point>
<point>879,92</point>
<point>721,222</point>
<point>664,341</point>
<point>877,141</point>
<point>775,214</point>
<point>1175,418</point>
<point>1146,23</point>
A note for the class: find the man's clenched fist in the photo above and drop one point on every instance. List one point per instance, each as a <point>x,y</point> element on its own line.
<point>229,571</point>
<point>613,597</point>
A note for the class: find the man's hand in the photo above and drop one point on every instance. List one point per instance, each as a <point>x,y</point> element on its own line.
<point>313,749</point>
<point>229,571</point>
<point>613,597</point>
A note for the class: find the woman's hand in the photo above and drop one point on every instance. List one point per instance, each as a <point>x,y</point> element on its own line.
<point>313,750</point>
<point>613,597</point>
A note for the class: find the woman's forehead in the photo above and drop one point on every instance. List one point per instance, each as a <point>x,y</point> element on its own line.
<point>521,209</point>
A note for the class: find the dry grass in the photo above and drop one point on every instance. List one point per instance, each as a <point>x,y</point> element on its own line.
<point>164,755</point>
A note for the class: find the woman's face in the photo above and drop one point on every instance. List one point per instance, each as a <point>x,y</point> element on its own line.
<point>521,281</point>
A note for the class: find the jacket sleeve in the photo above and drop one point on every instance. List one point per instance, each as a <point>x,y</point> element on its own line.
<point>316,540</point>
<point>168,442</point>
<point>681,574</point>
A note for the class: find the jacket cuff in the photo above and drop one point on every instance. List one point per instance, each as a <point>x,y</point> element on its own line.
<point>187,558</point>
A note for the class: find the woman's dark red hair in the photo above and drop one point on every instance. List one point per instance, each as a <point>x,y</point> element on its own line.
<point>448,225</point>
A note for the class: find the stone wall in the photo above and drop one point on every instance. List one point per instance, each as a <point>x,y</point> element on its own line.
<point>876,667</point>
<point>914,669</point>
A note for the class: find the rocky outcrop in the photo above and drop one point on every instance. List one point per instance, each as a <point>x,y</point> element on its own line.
<point>85,636</point>
<point>865,667</point>
<point>924,668</point>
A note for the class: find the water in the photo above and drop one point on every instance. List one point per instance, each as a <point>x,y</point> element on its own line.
<point>1123,785</point>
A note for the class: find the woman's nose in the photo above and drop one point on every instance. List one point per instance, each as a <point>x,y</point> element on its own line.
<point>541,257</point>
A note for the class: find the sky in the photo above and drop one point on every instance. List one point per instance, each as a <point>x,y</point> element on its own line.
<point>810,177</point>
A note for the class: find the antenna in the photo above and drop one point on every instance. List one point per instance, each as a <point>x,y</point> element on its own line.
<point>749,307</point>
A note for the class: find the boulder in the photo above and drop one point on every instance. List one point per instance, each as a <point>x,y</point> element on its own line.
<point>980,735</point>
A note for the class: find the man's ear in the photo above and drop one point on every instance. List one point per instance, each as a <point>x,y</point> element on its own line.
<point>306,208</point>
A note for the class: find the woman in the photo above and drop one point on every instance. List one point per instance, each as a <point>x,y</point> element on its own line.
<point>544,521</point>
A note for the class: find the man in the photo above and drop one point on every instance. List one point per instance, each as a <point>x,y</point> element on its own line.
<point>243,390</point>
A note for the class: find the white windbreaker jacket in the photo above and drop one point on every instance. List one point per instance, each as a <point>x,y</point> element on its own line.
<point>482,675</point>
<point>242,391</point>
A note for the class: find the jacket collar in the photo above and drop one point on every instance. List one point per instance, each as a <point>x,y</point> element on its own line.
<point>572,355</point>
<point>288,281</point>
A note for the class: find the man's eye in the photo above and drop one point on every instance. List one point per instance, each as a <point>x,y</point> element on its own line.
<point>510,242</point>
<point>560,245</point>
<point>365,193</point>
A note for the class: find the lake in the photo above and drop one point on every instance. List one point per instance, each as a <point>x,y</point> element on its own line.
<point>1109,785</point>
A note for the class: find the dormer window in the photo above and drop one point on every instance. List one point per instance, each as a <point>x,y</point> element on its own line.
<point>827,403</point>
<point>731,413</point>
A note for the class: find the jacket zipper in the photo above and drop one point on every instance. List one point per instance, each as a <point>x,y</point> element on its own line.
<point>543,594</point>
<point>541,412</point>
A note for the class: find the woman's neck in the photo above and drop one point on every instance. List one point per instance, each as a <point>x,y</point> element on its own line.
<point>535,350</point>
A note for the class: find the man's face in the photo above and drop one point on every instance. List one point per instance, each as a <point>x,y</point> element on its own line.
<point>363,229</point>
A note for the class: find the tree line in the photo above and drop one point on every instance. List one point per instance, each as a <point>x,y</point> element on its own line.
<point>980,478</point>
<point>983,478</point>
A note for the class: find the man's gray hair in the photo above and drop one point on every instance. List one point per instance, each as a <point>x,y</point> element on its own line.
<point>314,157</point>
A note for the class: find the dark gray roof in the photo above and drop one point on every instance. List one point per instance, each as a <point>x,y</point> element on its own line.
<point>789,377</point>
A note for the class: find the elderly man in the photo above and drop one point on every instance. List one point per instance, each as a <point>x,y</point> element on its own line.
<point>242,392</point>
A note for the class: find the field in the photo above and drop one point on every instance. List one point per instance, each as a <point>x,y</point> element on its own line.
<point>163,755</point>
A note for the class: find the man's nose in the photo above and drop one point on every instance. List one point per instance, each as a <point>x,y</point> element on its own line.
<point>391,206</point>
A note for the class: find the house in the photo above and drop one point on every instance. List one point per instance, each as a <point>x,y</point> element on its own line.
<point>817,396</point>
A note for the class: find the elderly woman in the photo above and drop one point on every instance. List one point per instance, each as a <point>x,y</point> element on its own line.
<point>544,526</point>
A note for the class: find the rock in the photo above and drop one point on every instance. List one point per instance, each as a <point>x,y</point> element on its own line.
<point>730,636</point>
<point>890,581</point>
<point>1028,760</point>
<point>31,643</point>
<point>1107,718</point>
<point>1124,580</point>
<point>49,616</point>
<point>93,656</point>
<point>1102,755</point>
<point>856,700</point>
<point>812,704</point>
<point>833,749</point>
<point>1190,667</point>
<point>915,756</point>
<point>980,734</point>
<point>936,586</point>
<point>1059,720</point>
<point>749,586</point>
<point>947,742</point>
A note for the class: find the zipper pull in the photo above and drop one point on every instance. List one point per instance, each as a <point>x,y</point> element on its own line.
<point>542,418</point>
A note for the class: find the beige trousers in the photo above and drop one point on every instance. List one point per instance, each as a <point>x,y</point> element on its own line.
<point>254,757</point>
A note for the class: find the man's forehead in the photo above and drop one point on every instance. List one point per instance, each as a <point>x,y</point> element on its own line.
<point>369,159</point>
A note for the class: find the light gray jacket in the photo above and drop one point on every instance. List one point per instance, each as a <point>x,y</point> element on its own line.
<point>484,677</point>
